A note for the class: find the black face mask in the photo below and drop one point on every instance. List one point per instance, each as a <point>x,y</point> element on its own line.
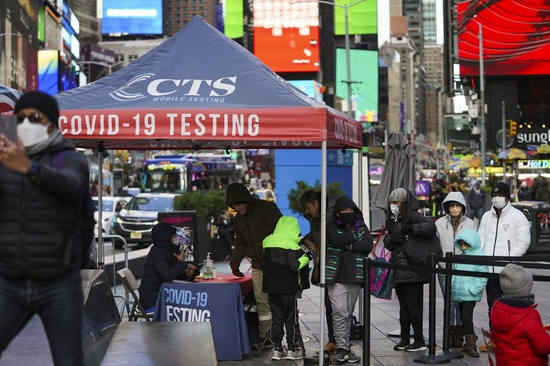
<point>348,217</point>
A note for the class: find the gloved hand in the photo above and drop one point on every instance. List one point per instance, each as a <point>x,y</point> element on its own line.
<point>398,238</point>
<point>235,269</point>
<point>405,227</point>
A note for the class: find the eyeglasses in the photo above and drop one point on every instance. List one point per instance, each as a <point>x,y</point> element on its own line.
<point>33,117</point>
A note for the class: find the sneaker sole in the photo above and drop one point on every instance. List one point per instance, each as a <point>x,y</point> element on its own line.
<point>294,357</point>
<point>399,348</point>
<point>416,349</point>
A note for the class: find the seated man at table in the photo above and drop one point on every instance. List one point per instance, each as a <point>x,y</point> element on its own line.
<point>286,273</point>
<point>164,263</point>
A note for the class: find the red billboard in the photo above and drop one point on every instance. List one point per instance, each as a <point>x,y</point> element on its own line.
<point>286,35</point>
<point>515,36</point>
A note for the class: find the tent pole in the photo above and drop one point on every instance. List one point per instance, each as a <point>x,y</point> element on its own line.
<point>323,249</point>
<point>100,248</point>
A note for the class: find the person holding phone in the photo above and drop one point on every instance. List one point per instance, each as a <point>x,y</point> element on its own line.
<point>40,220</point>
<point>164,263</point>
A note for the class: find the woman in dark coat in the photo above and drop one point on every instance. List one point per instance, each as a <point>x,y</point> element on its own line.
<point>164,263</point>
<point>404,221</point>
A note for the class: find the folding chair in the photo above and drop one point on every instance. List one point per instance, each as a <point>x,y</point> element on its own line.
<point>488,339</point>
<point>130,287</point>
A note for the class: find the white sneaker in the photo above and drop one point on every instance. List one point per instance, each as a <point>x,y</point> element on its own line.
<point>295,355</point>
<point>278,354</point>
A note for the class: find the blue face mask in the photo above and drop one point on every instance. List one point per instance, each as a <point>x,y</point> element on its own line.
<point>394,210</point>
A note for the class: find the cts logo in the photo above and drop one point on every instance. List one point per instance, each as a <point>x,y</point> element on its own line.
<point>122,95</point>
<point>175,89</point>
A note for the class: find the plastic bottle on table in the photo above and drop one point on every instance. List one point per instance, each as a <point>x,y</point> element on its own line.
<point>208,268</point>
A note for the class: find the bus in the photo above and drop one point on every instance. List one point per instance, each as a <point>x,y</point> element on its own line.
<point>188,172</point>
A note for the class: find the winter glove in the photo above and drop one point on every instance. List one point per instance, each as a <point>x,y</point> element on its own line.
<point>406,228</point>
<point>235,269</point>
<point>398,238</point>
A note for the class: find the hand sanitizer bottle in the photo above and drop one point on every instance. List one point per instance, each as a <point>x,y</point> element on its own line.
<point>208,266</point>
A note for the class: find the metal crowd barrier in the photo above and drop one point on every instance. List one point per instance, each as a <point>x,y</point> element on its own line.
<point>101,264</point>
<point>529,260</point>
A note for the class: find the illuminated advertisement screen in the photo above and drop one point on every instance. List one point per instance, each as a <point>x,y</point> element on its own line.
<point>233,18</point>
<point>131,17</point>
<point>309,87</point>
<point>48,71</point>
<point>364,75</point>
<point>362,18</point>
<point>286,36</point>
<point>516,40</point>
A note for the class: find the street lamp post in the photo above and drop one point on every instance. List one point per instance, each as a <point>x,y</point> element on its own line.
<point>482,100</point>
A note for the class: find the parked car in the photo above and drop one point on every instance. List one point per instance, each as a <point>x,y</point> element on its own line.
<point>264,194</point>
<point>135,221</point>
<point>110,207</point>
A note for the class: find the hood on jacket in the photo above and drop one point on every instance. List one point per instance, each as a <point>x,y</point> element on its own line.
<point>471,237</point>
<point>457,197</point>
<point>346,202</point>
<point>238,193</point>
<point>510,313</point>
<point>286,234</point>
<point>161,234</point>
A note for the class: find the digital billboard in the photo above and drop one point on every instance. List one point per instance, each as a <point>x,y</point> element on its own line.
<point>516,40</point>
<point>124,17</point>
<point>364,77</point>
<point>233,18</point>
<point>362,17</point>
<point>286,35</point>
<point>311,88</point>
<point>48,71</point>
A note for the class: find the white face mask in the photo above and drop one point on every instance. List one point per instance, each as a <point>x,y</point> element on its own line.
<point>394,209</point>
<point>499,202</point>
<point>32,133</point>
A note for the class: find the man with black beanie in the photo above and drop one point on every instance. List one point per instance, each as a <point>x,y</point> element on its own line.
<point>504,231</point>
<point>40,218</point>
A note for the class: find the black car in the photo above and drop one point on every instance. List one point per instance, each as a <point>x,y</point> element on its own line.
<point>135,221</point>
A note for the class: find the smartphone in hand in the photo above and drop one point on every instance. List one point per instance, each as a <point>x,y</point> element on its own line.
<point>8,127</point>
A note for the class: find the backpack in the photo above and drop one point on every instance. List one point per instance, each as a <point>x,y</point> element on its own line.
<point>88,220</point>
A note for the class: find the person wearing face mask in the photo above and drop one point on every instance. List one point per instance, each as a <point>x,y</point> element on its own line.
<point>404,221</point>
<point>524,193</point>
<point>40,219</point>
<point>504,231</point>
<point>348,241</point>
<point>164,263</point>
<point>448,227</point>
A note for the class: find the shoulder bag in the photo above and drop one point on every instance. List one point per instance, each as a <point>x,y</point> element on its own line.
<point>418,249</point>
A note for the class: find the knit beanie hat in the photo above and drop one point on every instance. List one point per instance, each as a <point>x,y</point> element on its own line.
<point>398,195</point>
<point>501,188</point>
<point>41,101</point>
<point>515,281</point>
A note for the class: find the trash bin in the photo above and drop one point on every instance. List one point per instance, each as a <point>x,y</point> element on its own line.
<point>538,214</point>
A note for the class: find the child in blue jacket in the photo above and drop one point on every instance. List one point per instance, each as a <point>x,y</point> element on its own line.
<point>286,273</point>
<point>467,290</point>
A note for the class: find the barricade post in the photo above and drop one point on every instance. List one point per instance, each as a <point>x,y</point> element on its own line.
<point>453,355</point>
<point>431,358</point>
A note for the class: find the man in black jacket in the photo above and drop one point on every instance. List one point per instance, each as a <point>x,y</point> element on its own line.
<point>40,218</point>
<point>254,221</point>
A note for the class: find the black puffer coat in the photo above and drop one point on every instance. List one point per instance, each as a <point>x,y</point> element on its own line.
<point>161,265</point>
<point>40,221</point>
<point>395,238</point>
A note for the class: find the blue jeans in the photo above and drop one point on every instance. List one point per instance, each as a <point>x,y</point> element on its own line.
<point>476,213</point>
<point>58,302</point>
<point>454,318</point>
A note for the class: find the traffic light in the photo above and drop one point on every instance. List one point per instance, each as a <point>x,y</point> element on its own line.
<point>512,128</point>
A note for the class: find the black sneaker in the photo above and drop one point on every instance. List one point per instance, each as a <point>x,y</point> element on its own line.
<point>404,343</point>
<point>416,346</point>
<point>340,356</point>
<point>352,357</point>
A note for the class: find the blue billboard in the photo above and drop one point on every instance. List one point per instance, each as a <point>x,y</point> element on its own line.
<point>124,17</point>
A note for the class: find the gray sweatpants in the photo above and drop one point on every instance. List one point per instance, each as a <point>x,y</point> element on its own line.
<point>343,297</point>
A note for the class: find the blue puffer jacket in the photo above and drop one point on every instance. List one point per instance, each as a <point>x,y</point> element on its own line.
<point>466,288</point>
